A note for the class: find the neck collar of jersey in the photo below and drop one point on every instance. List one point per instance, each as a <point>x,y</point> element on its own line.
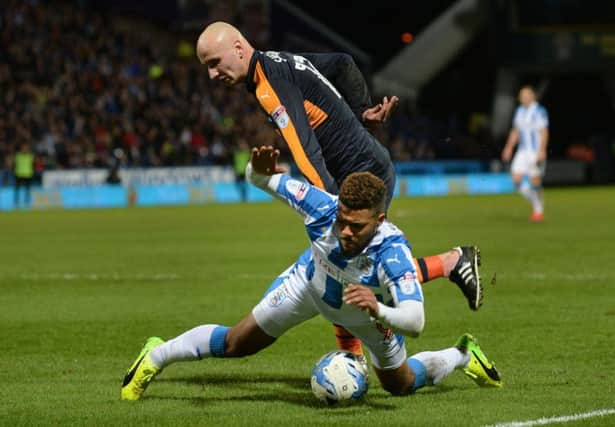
<point>531,106</point>
<point>250,83</point>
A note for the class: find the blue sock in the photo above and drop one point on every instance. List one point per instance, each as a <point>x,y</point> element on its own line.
<point>217,342</point>
<point>420,373</point>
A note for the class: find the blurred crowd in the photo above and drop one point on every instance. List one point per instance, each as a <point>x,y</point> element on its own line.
<point>85,89</point>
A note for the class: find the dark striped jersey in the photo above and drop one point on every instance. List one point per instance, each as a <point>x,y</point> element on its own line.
<point>324,135</point>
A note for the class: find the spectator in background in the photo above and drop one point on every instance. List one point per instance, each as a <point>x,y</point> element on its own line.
<point>24,172</point>
<point>75,86</point>
<point>531,133</point>
<point>241,157</point>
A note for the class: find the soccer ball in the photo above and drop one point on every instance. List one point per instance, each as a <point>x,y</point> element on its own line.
<point>339,376</point>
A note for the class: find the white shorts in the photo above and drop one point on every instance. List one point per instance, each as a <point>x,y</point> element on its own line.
<point>524,163</point>
<point>291,303</point>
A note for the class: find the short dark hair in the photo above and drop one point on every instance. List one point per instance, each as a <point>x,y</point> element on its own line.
<point>363,190</point>
<point>528,87</point>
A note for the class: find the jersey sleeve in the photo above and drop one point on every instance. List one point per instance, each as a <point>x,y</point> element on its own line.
<point>399,274</point>
<point>542,120</point>
<point>517,118</point>
<point>317,207</point>
<point>283,101</point>
<point>341,70</point>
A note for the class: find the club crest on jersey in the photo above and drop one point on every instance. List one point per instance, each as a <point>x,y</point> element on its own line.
<point>280,117</point>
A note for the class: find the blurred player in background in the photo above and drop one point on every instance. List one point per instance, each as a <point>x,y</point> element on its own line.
<point>323,132</point>
<point>530,132</point>
<point>360,274</point>
<point>241,157</point>
<point>24,173</point>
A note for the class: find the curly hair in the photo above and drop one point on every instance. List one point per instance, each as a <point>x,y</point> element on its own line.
<point>363,190</point>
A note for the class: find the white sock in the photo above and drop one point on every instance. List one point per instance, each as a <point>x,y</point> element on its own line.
<point>525,190</point>
<point>439,364</point>
<point>195,344</point>
<point>537,199</point>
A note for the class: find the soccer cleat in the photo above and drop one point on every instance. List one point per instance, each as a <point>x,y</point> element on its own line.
<point>537,217</point>
<point>141,373</point>
<point>465,275</point>
<point>480,369</point>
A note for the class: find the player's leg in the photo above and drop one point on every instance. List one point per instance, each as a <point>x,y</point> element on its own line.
<point>520,168</point>
<point>17,186</point>
<point>285,305</point>
<point>201,342</point>
<point>461,266</point>
<point>431,367</point>
<point>536,173</point>
<point>28,191</point>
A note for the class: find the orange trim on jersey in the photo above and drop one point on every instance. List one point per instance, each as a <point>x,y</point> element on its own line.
<point>315,114</point>
<point>269,100</point>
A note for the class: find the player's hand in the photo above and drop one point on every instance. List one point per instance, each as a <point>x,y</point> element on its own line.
<point>380,113</point>
<point>362,297</point>
<point>264,160</point>
<point>506,154</point>
<point>541,156</point>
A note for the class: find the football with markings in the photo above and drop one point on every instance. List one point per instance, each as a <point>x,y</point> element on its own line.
<point>339,376</point>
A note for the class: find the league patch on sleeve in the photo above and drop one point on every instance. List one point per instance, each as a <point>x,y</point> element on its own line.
<point>406,284</point>
<point>297,189</point>
<point>280,117</point>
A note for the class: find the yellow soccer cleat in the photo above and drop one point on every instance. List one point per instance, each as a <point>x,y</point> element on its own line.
<point>141,373</point>
<point>480,369</point>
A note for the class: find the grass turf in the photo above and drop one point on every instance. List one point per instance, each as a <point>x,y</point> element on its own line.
<point>81,290</point>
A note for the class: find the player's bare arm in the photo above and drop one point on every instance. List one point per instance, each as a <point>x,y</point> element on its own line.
<point>541,156</point>
<point>513,138</point>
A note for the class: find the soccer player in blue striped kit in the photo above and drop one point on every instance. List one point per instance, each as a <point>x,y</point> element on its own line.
<point>530,133</point>
<point>359,274</point>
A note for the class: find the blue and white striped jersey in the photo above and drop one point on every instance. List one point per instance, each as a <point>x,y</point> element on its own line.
<point>529,121</point>
<point>385,265</point>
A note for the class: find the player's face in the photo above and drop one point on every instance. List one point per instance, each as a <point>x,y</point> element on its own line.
<point>526,96</point>
<point>355,228</point>
<point>224,65</point>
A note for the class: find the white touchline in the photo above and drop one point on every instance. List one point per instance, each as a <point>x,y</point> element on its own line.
<point>92,276</point>
<point>556,420</point>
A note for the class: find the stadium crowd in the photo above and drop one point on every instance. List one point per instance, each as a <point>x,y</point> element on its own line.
<point>84,91</point>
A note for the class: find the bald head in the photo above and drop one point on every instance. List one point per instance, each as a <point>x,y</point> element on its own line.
<point>225,52</point>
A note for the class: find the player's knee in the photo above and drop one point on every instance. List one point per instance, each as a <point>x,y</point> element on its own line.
<point>235,345</point>
<point>536,181</point>
<point>241,341</point>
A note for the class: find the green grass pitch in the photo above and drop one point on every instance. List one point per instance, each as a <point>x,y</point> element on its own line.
<point>82,290</point>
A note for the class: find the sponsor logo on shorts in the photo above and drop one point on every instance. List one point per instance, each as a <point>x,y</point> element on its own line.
<point>277,296</point>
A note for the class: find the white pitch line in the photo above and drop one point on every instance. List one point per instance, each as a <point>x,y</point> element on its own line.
<point>91,276</point>
<point>556,420</point>
<point>572,277</point>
